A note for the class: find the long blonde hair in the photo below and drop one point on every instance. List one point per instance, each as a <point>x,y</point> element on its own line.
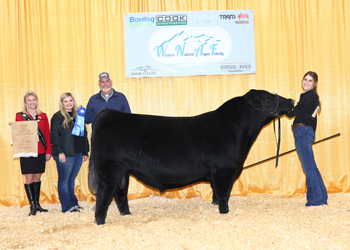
<point>25,107</point>
<point>67,117</point>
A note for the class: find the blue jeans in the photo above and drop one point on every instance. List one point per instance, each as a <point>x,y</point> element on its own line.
<point>67,172</point>
<point>316,193</point>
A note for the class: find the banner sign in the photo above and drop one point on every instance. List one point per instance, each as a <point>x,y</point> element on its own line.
<point>189,43</point>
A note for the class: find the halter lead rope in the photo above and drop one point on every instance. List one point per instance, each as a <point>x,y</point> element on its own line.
<point>279,138</point>
<point>279,127</point>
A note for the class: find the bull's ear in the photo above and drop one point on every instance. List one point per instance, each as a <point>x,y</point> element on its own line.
<point>253,98</point>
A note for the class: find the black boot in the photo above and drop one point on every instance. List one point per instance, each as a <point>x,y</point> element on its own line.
<point>31,197</point>
<point>37,195</point>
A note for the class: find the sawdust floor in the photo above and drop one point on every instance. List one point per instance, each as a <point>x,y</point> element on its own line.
<point>254,222</point>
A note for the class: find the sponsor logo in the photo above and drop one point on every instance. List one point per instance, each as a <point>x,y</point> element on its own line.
<point>190,45</point>
<point>227,17</point>
<point>200,18</point>
<point>242,22</point>
<point>236,68</point>
<point>140,21</point>
<point>143,71</point>
<point>242,16</point>
<point>166,20</point>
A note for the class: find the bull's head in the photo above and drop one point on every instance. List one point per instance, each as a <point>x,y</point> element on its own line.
<point>268,102</point>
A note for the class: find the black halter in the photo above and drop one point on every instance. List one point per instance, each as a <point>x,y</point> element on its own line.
<point>274,112</point>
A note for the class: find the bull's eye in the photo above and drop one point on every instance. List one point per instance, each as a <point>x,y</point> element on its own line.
<point>267,99</point>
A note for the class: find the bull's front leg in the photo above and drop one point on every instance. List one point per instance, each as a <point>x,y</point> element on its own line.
<point>223,195</point>
<point>223,206</point>
<point>222,183</point>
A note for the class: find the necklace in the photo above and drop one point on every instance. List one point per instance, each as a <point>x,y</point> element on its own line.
<point>71,115</point>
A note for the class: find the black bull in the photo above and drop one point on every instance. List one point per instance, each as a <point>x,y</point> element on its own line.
<point>172,152</point>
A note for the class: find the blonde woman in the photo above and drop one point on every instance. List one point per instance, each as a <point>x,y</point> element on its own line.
<point>69,151</point>
<point>33,167</point>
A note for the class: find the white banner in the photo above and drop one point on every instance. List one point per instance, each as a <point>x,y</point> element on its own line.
<point>189,43</point>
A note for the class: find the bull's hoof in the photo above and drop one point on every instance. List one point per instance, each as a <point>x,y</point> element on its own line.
<point>224,212</point>
<point>99,222</point>
<point>215,203</point>
<point>127,213</point>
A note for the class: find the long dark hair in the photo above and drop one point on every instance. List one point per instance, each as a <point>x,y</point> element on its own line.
<point>315,77</point>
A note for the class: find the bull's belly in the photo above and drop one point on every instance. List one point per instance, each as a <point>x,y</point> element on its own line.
<point>170,181</point>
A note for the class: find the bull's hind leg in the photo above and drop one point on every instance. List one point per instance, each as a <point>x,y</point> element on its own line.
<point>104,196</point>
<point>215,199</point>
<point>121,195</point>
<point>109,180</point>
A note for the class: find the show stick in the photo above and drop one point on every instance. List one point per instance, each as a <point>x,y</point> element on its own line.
<point>289,151</point>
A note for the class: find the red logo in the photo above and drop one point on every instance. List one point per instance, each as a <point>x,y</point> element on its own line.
<point>243,16</point>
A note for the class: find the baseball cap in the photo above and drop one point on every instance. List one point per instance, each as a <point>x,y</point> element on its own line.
<point>104,75</point>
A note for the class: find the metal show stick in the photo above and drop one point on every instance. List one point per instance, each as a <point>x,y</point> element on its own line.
<point>330,137</point>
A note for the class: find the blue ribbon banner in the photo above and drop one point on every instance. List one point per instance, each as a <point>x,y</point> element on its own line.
<point>78,128</point>
<point>189,43</point>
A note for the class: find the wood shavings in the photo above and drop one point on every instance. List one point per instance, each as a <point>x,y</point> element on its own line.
<point>254,222</point>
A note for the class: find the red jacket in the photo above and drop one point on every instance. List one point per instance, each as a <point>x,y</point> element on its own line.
<point>43,123</point>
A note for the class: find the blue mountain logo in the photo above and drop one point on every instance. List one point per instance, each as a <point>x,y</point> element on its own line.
<point>183,42</point>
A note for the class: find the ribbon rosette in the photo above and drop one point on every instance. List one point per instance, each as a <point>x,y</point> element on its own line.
<point>78,128</point>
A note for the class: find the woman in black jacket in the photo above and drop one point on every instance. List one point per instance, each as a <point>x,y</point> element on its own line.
<point>304,127</point>
<point>69,151</point>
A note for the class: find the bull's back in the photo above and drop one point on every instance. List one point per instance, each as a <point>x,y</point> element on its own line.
<point>155,133</point>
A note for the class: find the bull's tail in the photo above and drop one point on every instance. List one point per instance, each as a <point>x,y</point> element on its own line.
<point>92,176</point>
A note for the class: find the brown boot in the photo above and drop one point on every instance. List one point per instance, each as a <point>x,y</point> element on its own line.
<point>37,196</point>
<point>31,197</point>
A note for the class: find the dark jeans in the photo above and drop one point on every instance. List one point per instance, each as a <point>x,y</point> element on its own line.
<point>316,194</point>
<point>67,172</point>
